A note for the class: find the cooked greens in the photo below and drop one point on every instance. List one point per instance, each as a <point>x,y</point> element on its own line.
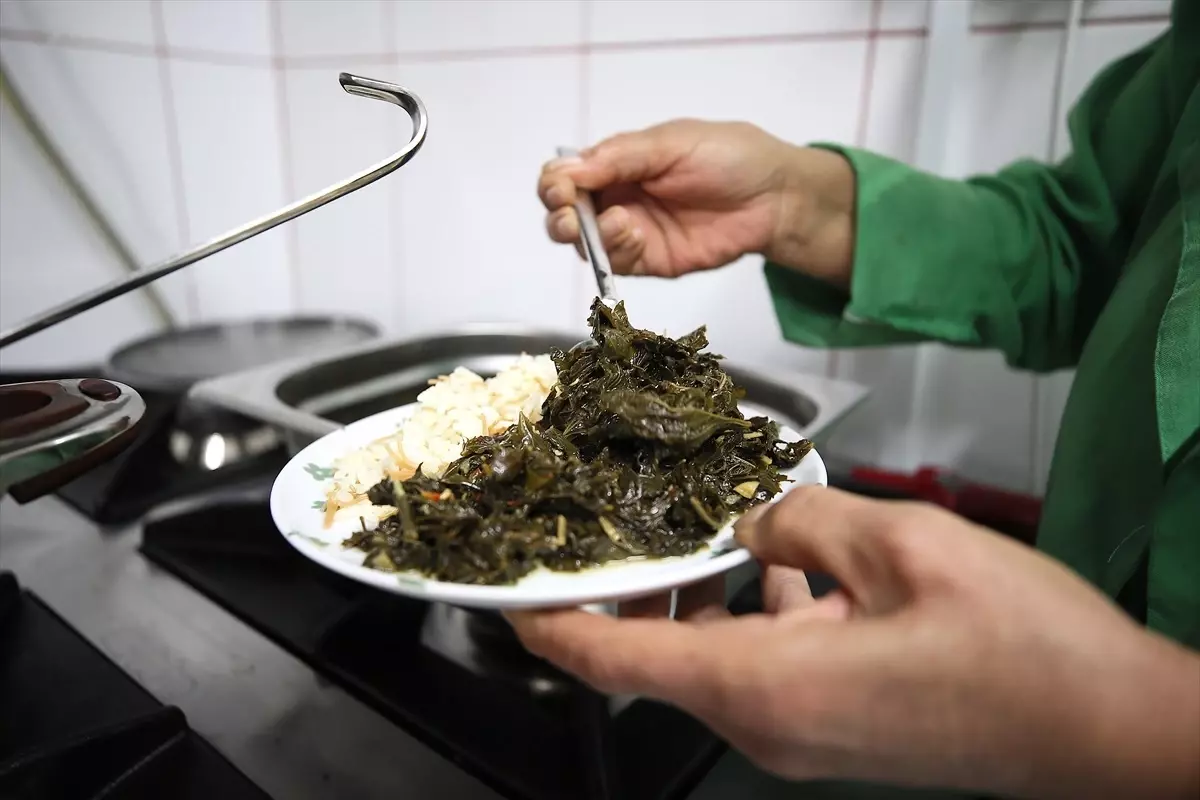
<point>641,451</point>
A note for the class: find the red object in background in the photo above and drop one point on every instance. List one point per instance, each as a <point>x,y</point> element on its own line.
<point>1008,512</point>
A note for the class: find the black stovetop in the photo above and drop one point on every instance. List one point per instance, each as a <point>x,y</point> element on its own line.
<point>76,726</point>
<point>456,680</point>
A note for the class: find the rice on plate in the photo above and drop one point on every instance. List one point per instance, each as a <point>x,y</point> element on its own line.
<point>455,408</point>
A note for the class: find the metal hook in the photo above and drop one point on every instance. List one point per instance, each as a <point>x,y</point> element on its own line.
<point>363,87</point>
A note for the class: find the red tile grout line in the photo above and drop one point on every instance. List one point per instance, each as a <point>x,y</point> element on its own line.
<point>596,48</point>
<point>196,54</point>
<point>866,91</point>
<point>435,56</point>
<point>174,150</point>
<point>395,200</point>
<point>291,240</point>
<point>1058,25</point>
<point>578,279</point>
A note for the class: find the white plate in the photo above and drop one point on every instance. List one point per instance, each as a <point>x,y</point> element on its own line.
<point>300,490</point>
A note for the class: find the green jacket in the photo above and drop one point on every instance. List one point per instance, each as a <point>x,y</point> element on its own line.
<point>1093,263</point>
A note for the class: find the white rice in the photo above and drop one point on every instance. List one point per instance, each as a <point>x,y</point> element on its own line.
<point>455,408</point>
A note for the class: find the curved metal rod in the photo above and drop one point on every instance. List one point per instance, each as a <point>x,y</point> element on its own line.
<point>363,87</point>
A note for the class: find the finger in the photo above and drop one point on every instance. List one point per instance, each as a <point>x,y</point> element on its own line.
<point>849,537</point>
<point>785,589</point>
<point>625,158</point>
<point>660,658</point>
<point>834,605</point>
<point>702,601</point>
<point>616,227</point>
<point>563,226</point>
<point>626,250</point>
<point>657,605</point>
<point>621,238</point>
<point>556,190</point>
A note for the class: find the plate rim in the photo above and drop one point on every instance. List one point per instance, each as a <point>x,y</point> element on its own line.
<point>683,570</point>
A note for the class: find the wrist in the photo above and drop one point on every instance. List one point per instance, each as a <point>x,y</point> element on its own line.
<point>1134,730</point>
<point>1150,734</point>
<point>815,216</point>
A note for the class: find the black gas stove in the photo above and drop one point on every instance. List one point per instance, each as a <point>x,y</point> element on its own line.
<point>457,680</point>
<point>76,726</point>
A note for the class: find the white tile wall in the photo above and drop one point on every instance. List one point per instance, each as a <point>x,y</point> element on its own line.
<point>322,28</point>
<point>242,27</point>
<point>421,26</point>
<point>763,84</point>
<point>904,14</point>
<point>663,20</point>
<point>468,221</point>
<point>106,114</point>
<point>1115,9</point>
<point>1002,13</point>
<point>125,21</point>
<point>344,255</point>
<point>33,205</point>
<point>221,130</point>
<point>228,134</point>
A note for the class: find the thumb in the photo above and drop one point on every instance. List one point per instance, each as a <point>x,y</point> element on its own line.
<point>625,158</point>
<point>857,541</point>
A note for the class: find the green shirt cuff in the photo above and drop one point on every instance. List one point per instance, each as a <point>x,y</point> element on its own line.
<point>893,298</point>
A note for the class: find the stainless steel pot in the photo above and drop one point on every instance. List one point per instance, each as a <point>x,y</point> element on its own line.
<point>207,436</point>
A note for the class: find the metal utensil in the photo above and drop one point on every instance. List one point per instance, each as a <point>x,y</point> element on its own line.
<point>363,87</point>
<point>593,247</point>
<point>207,437</point>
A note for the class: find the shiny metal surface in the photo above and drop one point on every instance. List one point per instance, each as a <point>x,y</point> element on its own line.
<point>593,245</point>
<point>310,397</point>
<point>214,450</point>
<point>25,457</point>
<point>363,87</point>
<point>295,735</point>
<point>173,361</point>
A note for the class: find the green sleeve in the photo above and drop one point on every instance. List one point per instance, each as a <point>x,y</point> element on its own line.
<point>1021,261</point>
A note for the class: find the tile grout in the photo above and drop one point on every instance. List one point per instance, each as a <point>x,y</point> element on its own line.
<point>202,55</point>
<point>865,92</point>
<point>291,241</point>
<point>174,152</point>
<point>579,280</point>
<point>395,200</point>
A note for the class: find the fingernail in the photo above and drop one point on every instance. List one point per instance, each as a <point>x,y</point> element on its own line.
<point>614,223</point>
<point>745,528</point>
<point>565,161</point>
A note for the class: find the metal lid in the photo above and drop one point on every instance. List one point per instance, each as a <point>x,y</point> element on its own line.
<point>173,361</point>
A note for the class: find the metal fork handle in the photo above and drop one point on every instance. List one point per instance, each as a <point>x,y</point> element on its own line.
<point>363,87</point>
<point>593,247</point>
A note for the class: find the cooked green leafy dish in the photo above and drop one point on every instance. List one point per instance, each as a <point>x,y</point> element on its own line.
<point>641,452</point>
